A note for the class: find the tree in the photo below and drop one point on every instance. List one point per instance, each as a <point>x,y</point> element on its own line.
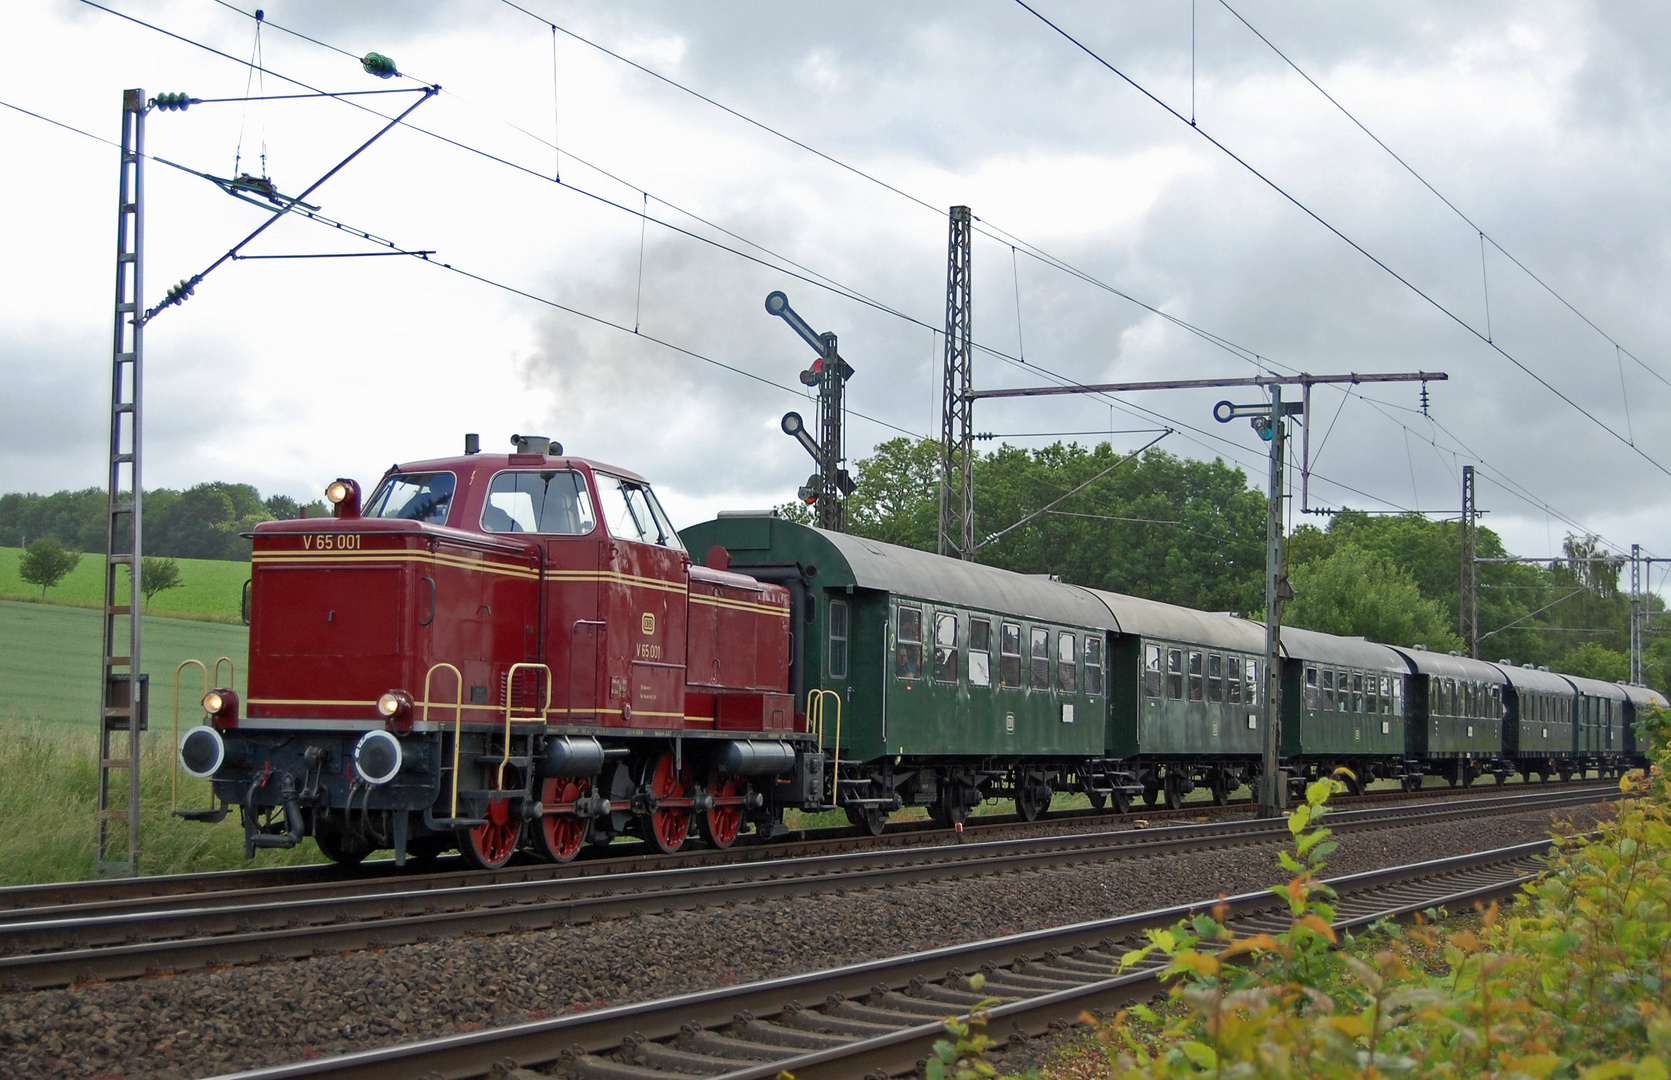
<point>157,575</point>
<point>1356,593</point>
<point>1596,662</point>
<point>46,562</point>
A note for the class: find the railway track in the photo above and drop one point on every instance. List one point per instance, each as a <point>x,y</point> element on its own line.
<point>880,1018</point>
<point>319,879</point>
<point>129,937</point>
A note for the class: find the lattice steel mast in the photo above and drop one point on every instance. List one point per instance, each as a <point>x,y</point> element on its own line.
<point>122,696</point>
<point>957,435</point>
<point>1468,596</point>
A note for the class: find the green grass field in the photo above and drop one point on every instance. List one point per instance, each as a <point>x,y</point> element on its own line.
<point>210,589</point>
<point>49,699</point>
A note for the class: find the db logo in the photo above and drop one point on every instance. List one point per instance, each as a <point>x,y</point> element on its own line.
<point>649,622</point>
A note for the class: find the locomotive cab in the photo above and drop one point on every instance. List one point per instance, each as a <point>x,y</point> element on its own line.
<point>495,651</point>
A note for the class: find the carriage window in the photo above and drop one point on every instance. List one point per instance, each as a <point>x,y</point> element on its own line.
<point>1009,655</point>
<point>980,652</point>
<point>1451,707</point>
<point>539,502</point>
<point>1175,674</point>
<point>1093,666</point>
<point>1195,676</point>
<point>1215,678</point>
<point>1357,692</point>
<point>1398,695</point>
<point>1342,691</point>
<point>1067,663</point>
<point>632,513</point>
<point>945,646</point>
<point>838,639</point>
<point>1328,690</point>
<point>1386,694</point>
<point>1370,705</point>
<point>1254,694</point>
<point>908,644</point>
<point>1151,670</point>
<point>1311,694</point>
<point>1041,658</point>
<point>422,497</point>
<point>1233,679</point>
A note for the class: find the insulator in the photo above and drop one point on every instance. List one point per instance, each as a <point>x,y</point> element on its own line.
<point>379,65</point>
<point>173,102</point>
<point>1424,397</point>
<point>179,292</point>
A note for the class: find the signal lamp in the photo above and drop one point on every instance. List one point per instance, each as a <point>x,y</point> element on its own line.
<point>377,757</point>
<point>344,497</point>
<point>395,707</point>
<point>809,491</point>
<point>221,707</point>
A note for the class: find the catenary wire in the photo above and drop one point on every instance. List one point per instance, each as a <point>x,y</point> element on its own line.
<point>1319,219</point>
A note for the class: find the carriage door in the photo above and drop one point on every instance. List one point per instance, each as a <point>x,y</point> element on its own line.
<point>643,597</point>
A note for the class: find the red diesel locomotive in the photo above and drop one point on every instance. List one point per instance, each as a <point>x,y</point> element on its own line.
<point>497,651</point>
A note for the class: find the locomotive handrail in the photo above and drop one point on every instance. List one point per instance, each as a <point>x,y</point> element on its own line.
<point>510,680</point>
<point>815,716</point>
<point>458,716</point>
<point>174,777</point>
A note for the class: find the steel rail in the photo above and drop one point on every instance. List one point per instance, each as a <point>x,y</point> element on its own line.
<point>235,886</point>
<point>60,951</point>
<point>882,1017</point>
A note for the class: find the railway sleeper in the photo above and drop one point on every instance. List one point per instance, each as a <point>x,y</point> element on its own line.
<point>665,1056</point>
<point>797,1015</point>
<point>773,1034</point>
<point>718,1044</point>
<point>592,1067</point>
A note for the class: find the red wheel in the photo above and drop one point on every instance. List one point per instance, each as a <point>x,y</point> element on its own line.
<point>490,845</point>
<point>720,823</point>
<point>562,832</point>
<point>670,792</point>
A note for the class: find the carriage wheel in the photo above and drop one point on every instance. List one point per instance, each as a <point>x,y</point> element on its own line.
<point>1031,799</point>
<point>1098,799</point>
<point>1151,794</point>
<point>1411,781</point>
<point>1223,784</point>
<point>562,832</point>
<point>1173,792</point>
<point>872,819</point>
<point>491,844</point>
<point>669,824</point>
<point>719,825</point>
<point>337,847</point>
<point>1121,801</point>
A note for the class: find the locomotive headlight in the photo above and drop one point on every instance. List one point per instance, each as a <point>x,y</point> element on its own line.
<point>377,757</point>
<point>202,751</point>
<point>221,706</point>
<point>344,496</point>
<point>395,707</point>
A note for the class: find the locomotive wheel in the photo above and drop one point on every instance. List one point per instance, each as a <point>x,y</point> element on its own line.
<point>339,848</point>
<point>491,844</point>
<point>561,833</point>
<point>719,825</point>
<point>671,790</point>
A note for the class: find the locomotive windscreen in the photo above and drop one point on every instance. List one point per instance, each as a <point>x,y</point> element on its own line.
<point>422,497</point>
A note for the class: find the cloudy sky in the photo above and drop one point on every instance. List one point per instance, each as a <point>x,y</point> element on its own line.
<point>1543,124</point>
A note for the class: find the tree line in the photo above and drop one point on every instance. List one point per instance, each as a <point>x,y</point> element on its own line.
<point>1193,533</point>
<point>201,522</point>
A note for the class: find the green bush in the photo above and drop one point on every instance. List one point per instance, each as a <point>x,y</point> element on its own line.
<point>1572,982</point>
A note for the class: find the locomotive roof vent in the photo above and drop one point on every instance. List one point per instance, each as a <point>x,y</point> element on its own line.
<point>1506,662</point>
<point>536,444</point>
<point>472,444</point>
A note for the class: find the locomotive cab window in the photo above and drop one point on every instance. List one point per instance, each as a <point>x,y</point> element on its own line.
<point>424,497</point>
<point>1215,678</point>
<point>1151,670</point>
<point>908,644</point>
<point>1040,666</point>
<point>632,513</point>
<point>1009,655</point>
<point>838,639</point>
<point>1093,665</point>
<point>980,652</point>
<point>1067,663</point>
<point>539,502</point>
<point>945,646</point>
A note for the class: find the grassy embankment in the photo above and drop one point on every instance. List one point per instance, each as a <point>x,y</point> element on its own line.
<point>49,694</point>
<point>210,589</point>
